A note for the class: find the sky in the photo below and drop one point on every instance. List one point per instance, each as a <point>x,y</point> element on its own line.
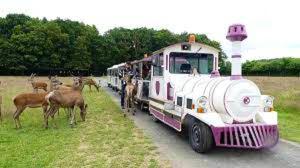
<point>273,26</point>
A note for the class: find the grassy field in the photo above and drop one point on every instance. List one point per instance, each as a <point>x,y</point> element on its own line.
<point>105,139</point>
<point>286,91</point>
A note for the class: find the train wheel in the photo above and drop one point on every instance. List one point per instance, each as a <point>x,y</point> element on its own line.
<point>200,137</point>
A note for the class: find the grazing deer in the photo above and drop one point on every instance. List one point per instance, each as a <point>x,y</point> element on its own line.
<point>91,82</point>
<point>37,85</point>
<point>69,99</point>
<point>32,100</point>
<point>130,92</point>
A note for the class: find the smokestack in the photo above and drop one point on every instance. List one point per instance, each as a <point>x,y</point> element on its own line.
<point>236,34</point>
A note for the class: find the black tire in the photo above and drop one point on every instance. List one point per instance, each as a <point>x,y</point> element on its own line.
<point>200,137</point>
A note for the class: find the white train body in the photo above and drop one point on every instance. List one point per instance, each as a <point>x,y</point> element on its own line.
<point>187,92</point>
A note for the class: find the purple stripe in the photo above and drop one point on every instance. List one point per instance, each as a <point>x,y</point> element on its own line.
<point>157,114</point>
<point>236,56</point>
<point>215,74</point>
<point>172,122</point>
<point>236,77</point>
<point>169,121</point>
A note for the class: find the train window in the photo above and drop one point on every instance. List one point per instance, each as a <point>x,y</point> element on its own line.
<point>179,101</point>
<point>189,103</point>
<point>158,70</point>
<point>184,63</point>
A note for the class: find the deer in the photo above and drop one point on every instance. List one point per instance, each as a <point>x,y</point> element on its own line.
<point>32,100</point>
<point>91,82</point>
<point>130,92</point>
<point>37,85</point>
<point>69,99</point>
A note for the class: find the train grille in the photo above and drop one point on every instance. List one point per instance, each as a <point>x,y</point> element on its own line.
<point>246,136</point>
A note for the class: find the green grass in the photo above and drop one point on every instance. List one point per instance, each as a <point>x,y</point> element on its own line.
<point>105,139</point>
<point>286,91</point>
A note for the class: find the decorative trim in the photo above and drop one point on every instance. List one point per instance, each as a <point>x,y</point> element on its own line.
<point>236,77</point>
<point>166,119</point>
<point>254,136</point>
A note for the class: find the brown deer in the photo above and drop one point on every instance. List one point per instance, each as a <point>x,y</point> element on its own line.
<point>37,85</point>
<point>32,100</point>
<point>91,82</point>
<point>130,92</point>
<point>69,99</point>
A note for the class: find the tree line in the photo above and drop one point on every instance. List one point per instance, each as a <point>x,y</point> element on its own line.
<point>64,46</point>
<point>268,67</point>
<point>39,45</point>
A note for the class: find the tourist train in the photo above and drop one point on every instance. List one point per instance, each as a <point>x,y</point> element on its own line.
<point>181,86</point>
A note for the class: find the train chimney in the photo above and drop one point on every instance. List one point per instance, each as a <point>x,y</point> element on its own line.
<point>236,34</point>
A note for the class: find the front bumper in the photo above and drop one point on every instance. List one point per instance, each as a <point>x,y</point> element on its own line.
<point>255,136</point>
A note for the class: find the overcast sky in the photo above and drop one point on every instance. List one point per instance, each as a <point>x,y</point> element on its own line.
<point>273,26</point>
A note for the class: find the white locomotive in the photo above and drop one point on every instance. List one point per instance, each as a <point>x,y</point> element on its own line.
<point>188,93</point>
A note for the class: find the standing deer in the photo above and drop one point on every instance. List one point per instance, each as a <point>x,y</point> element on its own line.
<point>32,100</point>
<point>69,99</point>
<point>91,82</point>
<point>37,85</point>
<point>130,92</point>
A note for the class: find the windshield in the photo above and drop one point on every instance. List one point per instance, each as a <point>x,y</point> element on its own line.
<point>184,63</point>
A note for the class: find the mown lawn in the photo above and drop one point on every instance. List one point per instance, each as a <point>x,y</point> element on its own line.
<point>105,139</point>
<point>286,91</point>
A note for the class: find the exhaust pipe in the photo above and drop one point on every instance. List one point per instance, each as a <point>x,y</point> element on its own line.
<point>236,34</point>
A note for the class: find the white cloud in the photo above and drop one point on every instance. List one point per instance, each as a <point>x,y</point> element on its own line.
<point>273,26</point>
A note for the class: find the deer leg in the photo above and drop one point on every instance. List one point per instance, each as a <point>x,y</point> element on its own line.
<point>90,88</point>
<point>49,111</point>
<point>132,107</point>
<point>72,116</point>
<point>52,116</point>
<point>16,116</point>
<point>75,122</point>
<point>97,88</point>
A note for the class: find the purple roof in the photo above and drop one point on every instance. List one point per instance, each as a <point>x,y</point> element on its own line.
<point>236,32</point>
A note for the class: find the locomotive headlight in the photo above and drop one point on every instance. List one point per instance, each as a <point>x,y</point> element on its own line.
<point>202,101</point>
<point>268,103</point>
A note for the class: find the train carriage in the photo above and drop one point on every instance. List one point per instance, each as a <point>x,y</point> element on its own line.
<point>109,77</point>
<point>119,81</point>
<point>142,77</point>
<point>114,77</point>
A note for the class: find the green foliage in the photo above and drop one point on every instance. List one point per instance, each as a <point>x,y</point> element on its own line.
<point>273,67</point>
<point>31,44</point>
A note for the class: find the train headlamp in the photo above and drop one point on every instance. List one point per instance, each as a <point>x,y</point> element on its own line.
<point>268,103</point>
<point>202,101</point>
